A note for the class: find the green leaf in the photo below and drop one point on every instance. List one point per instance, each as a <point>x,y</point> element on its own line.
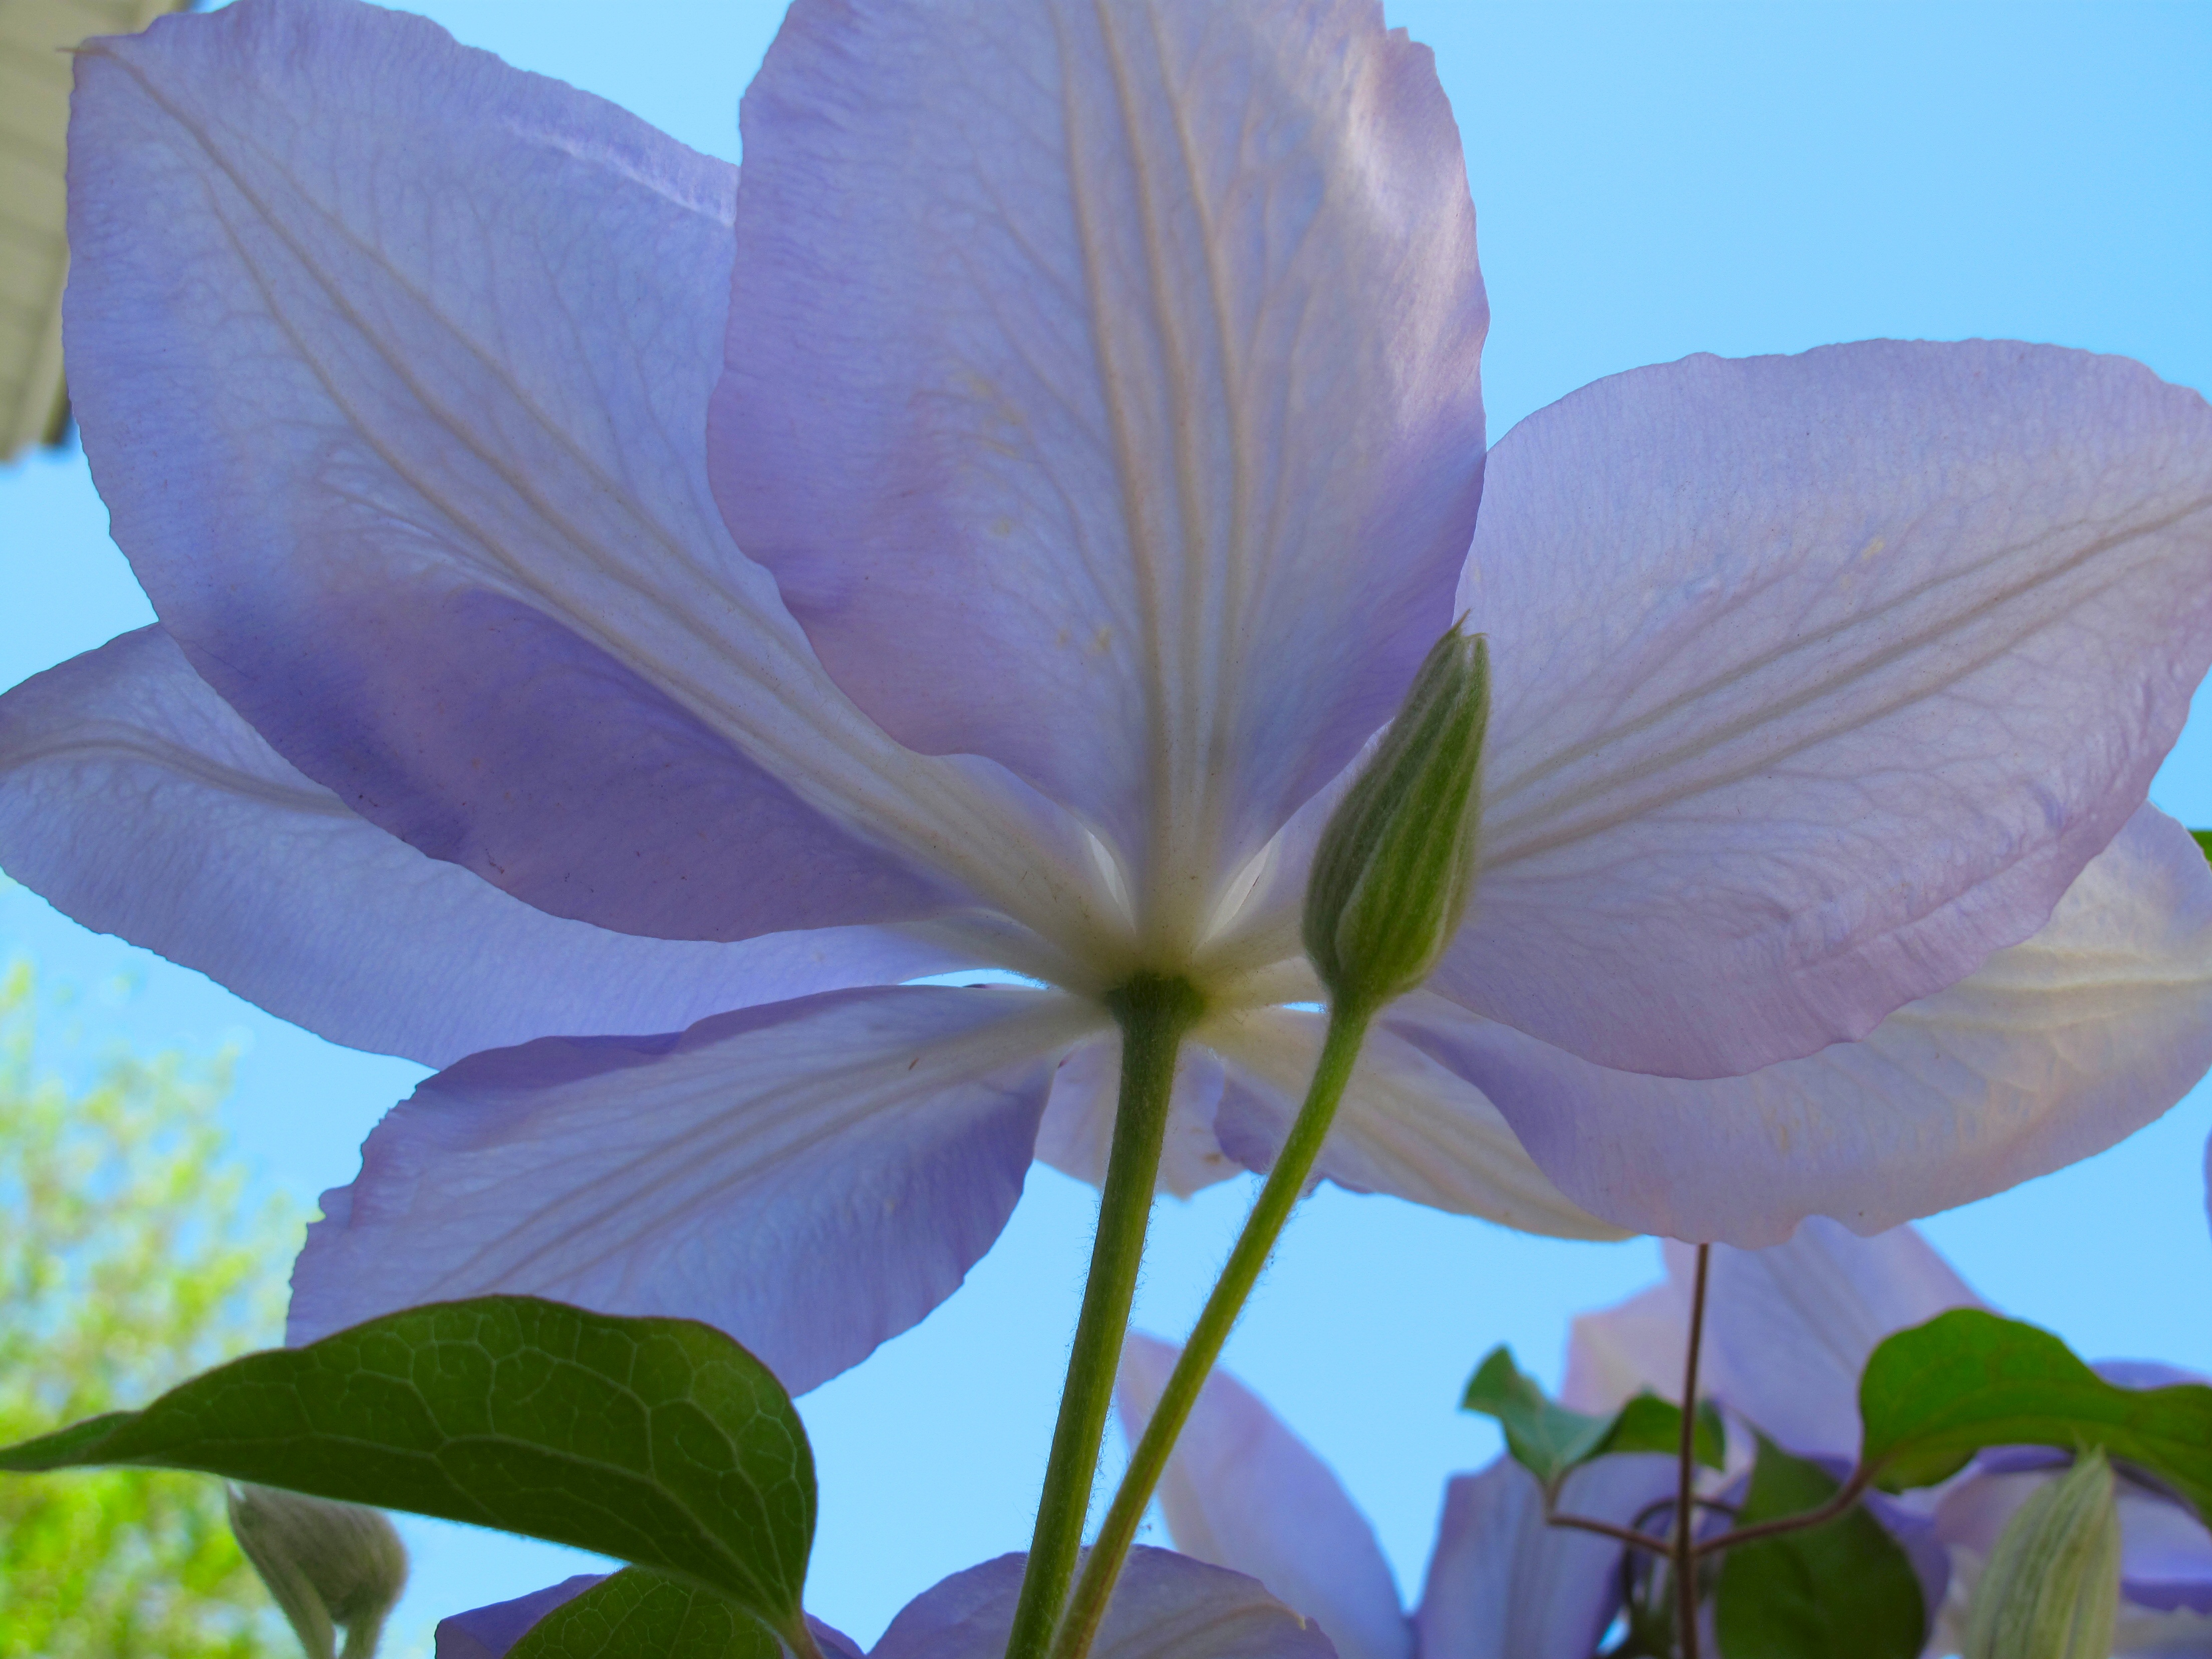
<point>1649,1424</point>
<point>2204,843</point>
<point>1933,1396</point>
<point>1548,1440</point>
<point>657,1441</point>
<point>1545,1439</point>
<point>1842,1590</point>
<point>638,1614</point>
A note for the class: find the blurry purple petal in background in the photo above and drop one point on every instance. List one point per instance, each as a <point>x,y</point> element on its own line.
<point>1165,1606</point>
<point>993,520</point>
<point>1242,1491</point>
<point>1789,1331</point>
<point>1169,1607</point>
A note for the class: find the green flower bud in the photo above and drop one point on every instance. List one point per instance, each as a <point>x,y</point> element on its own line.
<point>1391,876</point>
<point>326,1564</point>
<point>2051,1589</point>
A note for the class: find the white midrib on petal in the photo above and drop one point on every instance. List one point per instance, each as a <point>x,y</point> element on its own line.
<point>804,729</point>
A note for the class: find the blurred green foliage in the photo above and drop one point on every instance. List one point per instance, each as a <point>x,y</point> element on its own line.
<point>128,1261</point>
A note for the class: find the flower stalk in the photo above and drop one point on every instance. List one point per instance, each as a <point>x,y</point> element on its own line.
<point>1390,881</point>
<point>1286,1184</point>
<point>1154,1013</point>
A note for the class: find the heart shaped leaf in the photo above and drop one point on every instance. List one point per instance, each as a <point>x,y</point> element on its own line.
<point>659,1442</point>
<point>1932,1396</point>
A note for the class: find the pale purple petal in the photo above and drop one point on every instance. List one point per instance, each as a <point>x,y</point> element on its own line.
<point>2145,1373</point>
<point>1079,1119</point>
<point>1503,1584</point>
<point>1618,1352</point>
<point>137,802</point>
<point>2143,1634</point>
<point>1815,680</point>
<point>1164,1606</point>
<point>1104,392</point>
<point>490,1632</point>
<point>1406,1127</point>
<point>1243,1492</point>
<point>2055,1050</point>
<point>1789,1329</point>
<point>812,1177</point>
<point>487,1632</point>
<point>392,365</point>
<point>2165,1553</point>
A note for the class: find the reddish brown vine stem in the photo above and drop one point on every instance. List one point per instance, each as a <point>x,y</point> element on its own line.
<point>1686,1550</point>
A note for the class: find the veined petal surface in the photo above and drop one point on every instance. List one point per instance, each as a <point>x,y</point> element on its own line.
<point>139,802</point>
<point>1123,423</point>
<point>1078,1120</point>
<point>1503,1584</point>
<point>1408,1125</point>
<point>1815,680</point>
<point>812,1176</point>
<point>2055,1050</point>
<point>392,365</point>
<point>1241,1492</point>
<point>1789,1329</point>
<point>1165,1605</point>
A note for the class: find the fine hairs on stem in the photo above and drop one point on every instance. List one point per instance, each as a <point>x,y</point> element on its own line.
<point>1154,1014</point>
<point>1286,1184</point>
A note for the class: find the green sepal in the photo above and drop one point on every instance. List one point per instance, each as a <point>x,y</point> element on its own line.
<point>1933,1396</point>
<point>1845,1589</point>
<point>637,1615</point>
<point>1549,1441</point>
<point>659,1442</point>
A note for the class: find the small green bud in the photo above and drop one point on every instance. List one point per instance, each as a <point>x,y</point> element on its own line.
<point>2051,1589</point>
<point>1392,875</point>
<point>326,1564</point>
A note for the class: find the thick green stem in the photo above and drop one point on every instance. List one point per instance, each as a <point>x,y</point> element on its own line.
<point>1154,1013</point>
<point>1287,1181</point>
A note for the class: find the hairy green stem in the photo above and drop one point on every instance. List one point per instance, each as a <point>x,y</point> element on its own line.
<point>1154,1013</point>
<point>1347,1028</point>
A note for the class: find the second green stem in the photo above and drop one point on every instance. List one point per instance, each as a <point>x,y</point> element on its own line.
<point>1287,1181</point>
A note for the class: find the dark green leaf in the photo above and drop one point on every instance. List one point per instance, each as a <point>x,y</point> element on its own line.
<point>2204,843</point>
<point>1548,1440</point>
<point>1842,1590</point>
<point>638,1614</point>
<point>1933,1396</point>
<point>1649,1424</point>
<point>656,1441</point>
<point>1545,1439</point>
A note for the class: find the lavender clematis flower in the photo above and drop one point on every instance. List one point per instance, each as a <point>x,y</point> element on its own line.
<point>599,597</point>
<point>1169,1607</point>
<point>1244,1493</point>
<point>1788,1331</point>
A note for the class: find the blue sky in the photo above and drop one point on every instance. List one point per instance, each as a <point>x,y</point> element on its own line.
<point>1651,179</point>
